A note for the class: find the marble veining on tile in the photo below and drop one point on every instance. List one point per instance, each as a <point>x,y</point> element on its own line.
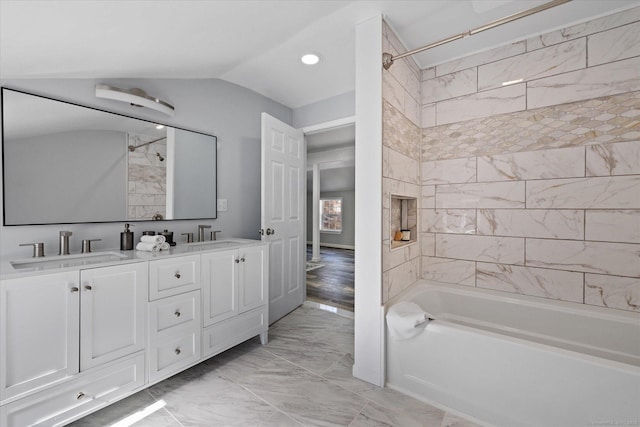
<point>594,121</point>
<point>448,270</point>
<point>618,259</point>
<point>613,292</point>
<point>503,250</point>
<point>543,164</point>
<point>622,158</point>
<point>492,102</point>
<point>399,133</point>
<point>620,192</point>
<point>602,80</point>
<point>613,225</point>
<point>487,56</point>
<point>545,62</point>
<point>485,195</point>
<point>449,171</point>
<point>584,29</point>
<point>452,85</point>
<point>540,282</point>
<point>541,223</point>
<point>613,45</point>
<point>460,221</point>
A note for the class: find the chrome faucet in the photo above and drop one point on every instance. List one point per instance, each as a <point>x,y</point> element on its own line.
<point>201,229</point>
<point>64,242</point>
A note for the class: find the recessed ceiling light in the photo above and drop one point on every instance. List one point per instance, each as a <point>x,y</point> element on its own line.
<point>310,59</point>
<point>160,127</point>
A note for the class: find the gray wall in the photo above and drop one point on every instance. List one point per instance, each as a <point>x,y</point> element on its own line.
<point>210,106</point>
<point>333,108</point>
<point>39,169</point>
<point>347,237</point>
<point>194,192</point>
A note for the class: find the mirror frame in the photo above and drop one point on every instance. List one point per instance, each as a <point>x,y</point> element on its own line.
<point>4,180</point>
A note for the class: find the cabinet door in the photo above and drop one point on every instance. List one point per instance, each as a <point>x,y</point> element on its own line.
<point>112,312</point>
<point>219,285</point>
<point>253,277</point>
<point>38,331</point>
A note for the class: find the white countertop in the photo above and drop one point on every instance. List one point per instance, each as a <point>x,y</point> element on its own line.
<point>12,268</point>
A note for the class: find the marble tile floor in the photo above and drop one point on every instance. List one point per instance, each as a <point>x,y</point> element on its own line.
<point>301,378</point>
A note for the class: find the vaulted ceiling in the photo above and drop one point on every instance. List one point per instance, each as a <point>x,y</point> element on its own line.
<point>256,44</point>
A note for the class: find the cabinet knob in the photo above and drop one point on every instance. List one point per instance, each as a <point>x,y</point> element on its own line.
<point>177,313</point>
<point>242,259</point>
<point>237,261</point>
<point>79,396</point>
<point>74,289</point>
<point>177,275</point>
<point>88,287</point>
<point>177,351</point>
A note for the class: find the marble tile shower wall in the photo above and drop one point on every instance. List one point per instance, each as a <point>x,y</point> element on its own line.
<point>401,135</point>
<point>146,178</point>
<point>534,187</point>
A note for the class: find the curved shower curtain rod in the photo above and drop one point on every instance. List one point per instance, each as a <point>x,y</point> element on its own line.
<point>387,58</point>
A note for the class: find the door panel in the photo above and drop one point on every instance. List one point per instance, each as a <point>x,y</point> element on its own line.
<point>283,186</point>
<point>112,312</point>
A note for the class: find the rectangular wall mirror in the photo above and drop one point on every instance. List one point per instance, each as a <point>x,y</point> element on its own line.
<point>66,163</point>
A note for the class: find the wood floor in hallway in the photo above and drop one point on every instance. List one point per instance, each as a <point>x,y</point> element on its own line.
<point>332,283</point>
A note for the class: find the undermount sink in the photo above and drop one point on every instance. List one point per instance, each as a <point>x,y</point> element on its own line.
<point>213,244</point>
<point>62,261</point>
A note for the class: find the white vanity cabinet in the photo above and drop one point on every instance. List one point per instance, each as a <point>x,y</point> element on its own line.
<point>234,289</point>
<point>73,341</point>
<point>175,313</point>
<point>112,313</point>
<point>69,342</point>
<point>39,331</point>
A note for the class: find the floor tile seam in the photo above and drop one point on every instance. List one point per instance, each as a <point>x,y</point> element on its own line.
<point>359,413</point>
<point>271,405</point>
<point>155,399</point>
<point>302,367</point>
<point>322,377</point>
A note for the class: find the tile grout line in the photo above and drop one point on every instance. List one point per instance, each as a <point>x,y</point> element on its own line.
<point>164,408</point>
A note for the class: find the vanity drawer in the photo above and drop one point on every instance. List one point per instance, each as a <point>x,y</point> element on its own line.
<point>231,332</point>
<point>179,311</point>
<point>173,276</point>
<point>173,353</point>
<point>73,399</point>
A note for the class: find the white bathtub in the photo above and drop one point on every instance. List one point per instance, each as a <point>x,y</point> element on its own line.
<point>512,360</point>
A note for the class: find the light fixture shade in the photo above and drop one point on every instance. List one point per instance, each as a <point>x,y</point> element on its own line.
<point>136,97</point>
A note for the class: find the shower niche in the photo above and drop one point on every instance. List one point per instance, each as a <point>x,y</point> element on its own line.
<point>404,221</point>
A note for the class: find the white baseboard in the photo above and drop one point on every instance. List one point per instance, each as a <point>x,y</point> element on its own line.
<point>335,245</point>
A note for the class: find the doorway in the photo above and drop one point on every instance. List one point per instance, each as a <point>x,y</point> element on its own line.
<point>331,234</point>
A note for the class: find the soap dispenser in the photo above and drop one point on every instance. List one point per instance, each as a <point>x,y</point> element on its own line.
<point>126,239</point>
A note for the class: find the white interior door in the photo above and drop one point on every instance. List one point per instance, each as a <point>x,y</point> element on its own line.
<point>283,214</point>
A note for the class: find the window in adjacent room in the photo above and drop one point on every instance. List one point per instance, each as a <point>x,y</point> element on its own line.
<point>331,215</point>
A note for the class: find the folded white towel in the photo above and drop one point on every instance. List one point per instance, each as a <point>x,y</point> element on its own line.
<point>164,246</point>
<point>406,320</point>
<point>153,239</point>
<point>149,247</point>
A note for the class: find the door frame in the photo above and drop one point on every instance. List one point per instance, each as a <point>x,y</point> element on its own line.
<point>307,130</point>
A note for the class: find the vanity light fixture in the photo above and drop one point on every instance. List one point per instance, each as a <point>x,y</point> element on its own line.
<point>310,59</point>
<point>136,97</point>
